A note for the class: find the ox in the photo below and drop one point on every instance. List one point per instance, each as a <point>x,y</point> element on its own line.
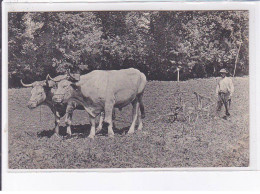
<point>102,91</point>
<point>42,93</point>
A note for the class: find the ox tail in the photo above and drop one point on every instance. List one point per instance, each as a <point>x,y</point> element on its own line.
<point>141,83</point>
<point>142,86</point>
<point>140,100</point>
<point>142,110</point>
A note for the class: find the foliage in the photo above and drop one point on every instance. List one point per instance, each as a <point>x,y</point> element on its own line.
<point>156,42</point>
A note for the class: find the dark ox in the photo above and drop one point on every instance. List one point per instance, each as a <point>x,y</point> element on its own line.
<point>42,93</point>
<point>102,91</point>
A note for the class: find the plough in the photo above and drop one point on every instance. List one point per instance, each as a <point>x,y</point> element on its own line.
<point>189,113</point>
<point>197,110</point>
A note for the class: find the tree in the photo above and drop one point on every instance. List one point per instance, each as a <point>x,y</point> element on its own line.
<point>156,42</point>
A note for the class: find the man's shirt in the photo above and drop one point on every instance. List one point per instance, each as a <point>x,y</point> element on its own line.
<point>225,85</point>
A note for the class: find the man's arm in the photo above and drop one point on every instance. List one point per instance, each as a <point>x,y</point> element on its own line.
<point>217,89</point>
<point>231,87</point>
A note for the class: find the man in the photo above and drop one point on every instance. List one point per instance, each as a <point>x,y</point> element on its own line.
<point>224,90</point>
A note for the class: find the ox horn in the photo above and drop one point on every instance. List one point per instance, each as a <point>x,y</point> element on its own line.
<point>70,77</point>
<point>26,85</point>
<point>48,76</point>
<point>55,80</point>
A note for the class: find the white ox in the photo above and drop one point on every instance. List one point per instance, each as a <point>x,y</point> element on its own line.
<point>102,91</point>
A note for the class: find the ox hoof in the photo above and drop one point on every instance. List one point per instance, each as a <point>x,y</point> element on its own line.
<point>56,136</point>
<point>69,133</point>
<point>91,136</point>
<point>111,135</point>
<point>98,129</point>
<point>139,131</point>
<point>140,128</point>
<point>130,132</point>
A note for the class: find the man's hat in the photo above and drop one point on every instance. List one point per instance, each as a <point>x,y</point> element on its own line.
<point>223,71</point>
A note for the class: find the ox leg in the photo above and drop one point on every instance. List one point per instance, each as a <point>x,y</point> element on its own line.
<point>135,115</point>
<point>57,123</point>
<point>114,117</point>
<point>110,131</point>
<point>142,116</point>
<point>101,119</point>
<point>140,125</point>
<point>68,123</point>
<point>68,118</point>
<point>93,127</point>
<point>108,118</point>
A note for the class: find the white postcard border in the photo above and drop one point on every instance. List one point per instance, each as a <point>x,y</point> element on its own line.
<point>32,177</point>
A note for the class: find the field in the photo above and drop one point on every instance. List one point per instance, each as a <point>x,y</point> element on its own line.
<point>210,142</point>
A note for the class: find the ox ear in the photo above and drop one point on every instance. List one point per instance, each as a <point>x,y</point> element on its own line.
<point>74,86</point>
<point>74,78</point>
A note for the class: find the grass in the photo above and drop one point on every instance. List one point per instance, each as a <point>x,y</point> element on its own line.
<point>210,142</point>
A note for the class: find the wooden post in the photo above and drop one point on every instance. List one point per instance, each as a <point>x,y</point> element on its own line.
<point>178,86</point>
<point>178,73</point>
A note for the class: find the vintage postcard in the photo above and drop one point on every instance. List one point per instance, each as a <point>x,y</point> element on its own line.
<point>127,87</point>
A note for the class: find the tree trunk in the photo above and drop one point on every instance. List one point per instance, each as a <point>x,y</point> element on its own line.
<point>237,59</point>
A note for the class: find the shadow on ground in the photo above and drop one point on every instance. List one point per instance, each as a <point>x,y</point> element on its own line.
<point>80,131</point>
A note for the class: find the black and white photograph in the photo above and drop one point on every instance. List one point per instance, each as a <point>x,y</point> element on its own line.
<point>128,89</point>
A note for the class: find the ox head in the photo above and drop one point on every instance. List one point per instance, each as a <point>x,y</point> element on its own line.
<point>65,89</point>
<point>38,93</point>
